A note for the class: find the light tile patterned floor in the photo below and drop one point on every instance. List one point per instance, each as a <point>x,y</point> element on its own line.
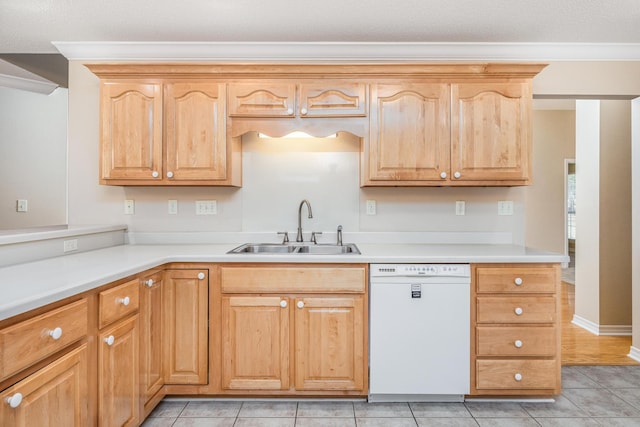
<point>592,396</point>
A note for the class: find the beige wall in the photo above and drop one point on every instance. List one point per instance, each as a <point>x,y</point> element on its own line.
<point>615,213</point>
<point>553,142</point>
<point>589,78</point>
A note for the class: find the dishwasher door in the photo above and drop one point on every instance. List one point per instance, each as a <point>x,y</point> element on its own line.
<point>419,341</point>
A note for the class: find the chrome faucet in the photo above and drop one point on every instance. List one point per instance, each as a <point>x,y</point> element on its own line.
<point>339,242</point>
<point>299,235</point>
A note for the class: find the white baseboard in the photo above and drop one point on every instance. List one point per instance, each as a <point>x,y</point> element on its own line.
<point>634,353</point>
<point>605,330</point>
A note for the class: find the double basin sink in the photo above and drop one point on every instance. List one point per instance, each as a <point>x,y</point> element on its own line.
<point>295,248</point>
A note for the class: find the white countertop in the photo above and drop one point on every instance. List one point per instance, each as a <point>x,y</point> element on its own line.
<point>34,284</point>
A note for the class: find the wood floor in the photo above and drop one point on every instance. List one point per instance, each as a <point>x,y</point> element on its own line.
<point>580,347</point>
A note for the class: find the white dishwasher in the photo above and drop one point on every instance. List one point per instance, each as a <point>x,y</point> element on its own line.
<point>419,332</point>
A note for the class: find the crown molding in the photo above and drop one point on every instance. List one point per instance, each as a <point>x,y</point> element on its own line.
<point>17,78</point>
<point>345,51</point>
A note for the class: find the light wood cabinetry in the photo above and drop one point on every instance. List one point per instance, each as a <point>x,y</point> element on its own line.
<point>151,341</point>
<point>293,329</point>
<point>118,374</point>
<point>515,331</point>
<point>491,131</point>
<point>186,326</point>
<point>327,98</point>
<point>54,395</point>
<point>118,302</point>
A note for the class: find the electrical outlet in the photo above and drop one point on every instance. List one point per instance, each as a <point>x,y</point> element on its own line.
<point>70,245</point>
<point>21,205</point>
<point>172,207</point>
<point>371,207</point>
<point>460,206</point>
<point>505,207</point>
<point>206,207</point>
<point>129,207</point>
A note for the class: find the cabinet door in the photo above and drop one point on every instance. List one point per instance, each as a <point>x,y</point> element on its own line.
<point>255,343</point>
<point>262,99</point>
<point>151,342</point>
<point>195,131</point>
<point>186,318</point>
<point>55,395</point>
<point>331,99</point>
<point>118,373</point>
<point>491,131</point>
<point>330,343</point>
<point>131,131</point>
<point>409,133</point>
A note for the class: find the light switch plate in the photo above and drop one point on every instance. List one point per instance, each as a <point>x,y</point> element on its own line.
<point>505,207</point>
<point>206,207</point>
<point>460,207</point>
<point>172,207</point>
<point>371,207</point>
<point>21,205</point>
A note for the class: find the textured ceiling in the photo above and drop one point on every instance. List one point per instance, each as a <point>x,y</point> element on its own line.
<point>29,26</point>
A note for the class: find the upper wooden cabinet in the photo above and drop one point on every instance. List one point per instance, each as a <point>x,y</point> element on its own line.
<point>303,99</point>
<point>491,131</point>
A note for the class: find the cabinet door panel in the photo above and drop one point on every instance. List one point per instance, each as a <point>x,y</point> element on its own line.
<point>330,99</point>
<point>118,370</point>
<point>55,395</point>
<point>262,99</point>
<point>329,343</point>
<point>151,333</point>
<point>131,130</point>
<point>186,324</point>
<point>491,128</point>
<point>195,131</point>
<point>409,134</point>
<point>255,343</point>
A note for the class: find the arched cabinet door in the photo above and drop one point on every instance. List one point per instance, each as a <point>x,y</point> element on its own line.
<point>491,131</point>
<point>131,130</point>
<point>196,146</point>
<point>409,133</point>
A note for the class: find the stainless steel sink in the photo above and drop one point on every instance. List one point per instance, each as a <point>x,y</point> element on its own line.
<point>297,248</point>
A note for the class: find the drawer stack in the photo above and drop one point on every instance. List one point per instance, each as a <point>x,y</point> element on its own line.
<point>515,331</point>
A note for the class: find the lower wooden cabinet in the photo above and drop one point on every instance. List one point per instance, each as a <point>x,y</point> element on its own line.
<point>186,319</point>
<point>56,395</point>
<point>118,374</point>
<point>515,331</point>
<point>151,340</point>
<point>278,341</point>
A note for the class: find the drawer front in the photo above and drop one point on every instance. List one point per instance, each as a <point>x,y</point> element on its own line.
<point>32,340</point>
<point>516,309</point>
<point>516,374</point>
<point>118,302</point>
<point>516,279</point>
<point>293,279</point>
<point>516,341</point>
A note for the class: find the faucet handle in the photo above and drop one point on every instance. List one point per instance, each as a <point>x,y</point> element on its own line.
<point>314,234</point>
<point>285,239</point>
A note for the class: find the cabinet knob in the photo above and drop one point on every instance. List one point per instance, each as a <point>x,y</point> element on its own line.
<point>518,377</point>
<point>55,333</point>
<point>15,400</point>
<point>300,304</point>
<point>303,111</point>
<point>518,344</point>
<point>201,276</point>
<point>290,111</point>
<point>155,174</point>
<point>124,301</point>
<point>457,175</point>
<point>443,175</point>
<point>169,174</point>
<point>149,282</point>
<point>283,303</point>
<point>109,340</point>
<point>518,311</point>
<point>518,281</point>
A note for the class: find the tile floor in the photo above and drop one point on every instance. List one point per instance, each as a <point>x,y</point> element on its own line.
<point>592,396</point>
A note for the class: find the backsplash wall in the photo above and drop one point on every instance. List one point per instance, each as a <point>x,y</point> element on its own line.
<point>277,175</point>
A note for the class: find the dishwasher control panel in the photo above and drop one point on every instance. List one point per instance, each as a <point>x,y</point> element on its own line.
<point>417,270</point>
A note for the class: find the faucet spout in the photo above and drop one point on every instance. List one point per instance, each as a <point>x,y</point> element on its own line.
<point>302,203</point>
